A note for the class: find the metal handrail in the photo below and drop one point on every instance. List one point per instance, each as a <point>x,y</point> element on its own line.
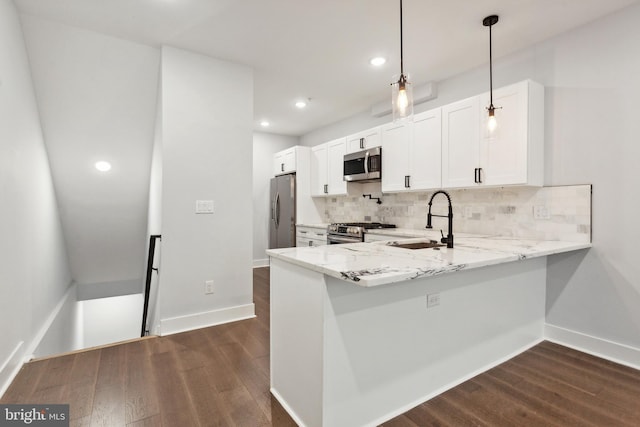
<point>147,288</point>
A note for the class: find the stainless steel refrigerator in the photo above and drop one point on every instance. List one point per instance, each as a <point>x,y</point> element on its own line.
<point>282,226</point>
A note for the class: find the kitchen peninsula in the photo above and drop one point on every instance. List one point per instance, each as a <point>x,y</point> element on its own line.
<point>362,332</point>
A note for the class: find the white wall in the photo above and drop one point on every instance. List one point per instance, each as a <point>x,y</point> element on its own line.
<point>207,115</point>
<point>591,136</point>
<point>265,145</point>
<point>34,272</point>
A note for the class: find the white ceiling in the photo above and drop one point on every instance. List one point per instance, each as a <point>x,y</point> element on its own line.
<point>320,49</point>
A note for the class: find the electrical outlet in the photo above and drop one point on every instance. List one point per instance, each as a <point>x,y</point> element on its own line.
<point>204,206</point>
<point>433,300</point>
<point>541,212</point>
<point>208,287</point>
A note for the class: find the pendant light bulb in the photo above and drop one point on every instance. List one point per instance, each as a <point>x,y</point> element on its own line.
<point>401,95</point>
<point>492,123</point>
<point>402,101</point>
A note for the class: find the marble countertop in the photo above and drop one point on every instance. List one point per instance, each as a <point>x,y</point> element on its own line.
<point>378,263</point>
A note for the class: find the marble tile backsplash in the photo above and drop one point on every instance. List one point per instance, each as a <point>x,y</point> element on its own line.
<point>547,213</point>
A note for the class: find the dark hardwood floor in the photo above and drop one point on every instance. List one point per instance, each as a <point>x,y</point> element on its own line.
<point>219,376</point>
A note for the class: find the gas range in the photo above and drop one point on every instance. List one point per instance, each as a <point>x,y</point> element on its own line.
<point>351,232</point>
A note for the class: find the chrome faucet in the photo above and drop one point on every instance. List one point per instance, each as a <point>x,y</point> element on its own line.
<point>449,239</point>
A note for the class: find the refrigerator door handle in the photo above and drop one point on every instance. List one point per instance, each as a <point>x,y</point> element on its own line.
<point>277,209</point>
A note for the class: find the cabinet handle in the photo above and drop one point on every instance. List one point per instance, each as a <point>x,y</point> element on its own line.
<point>475,175</point>
<point>406,181</point>
<point>326,189</point>
<point>281,167</point>
<point>303,232</point>
<point>479,175</point>
<point>361,142</point>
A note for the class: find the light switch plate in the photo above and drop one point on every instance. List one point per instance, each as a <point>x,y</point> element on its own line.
<point>204,206</point>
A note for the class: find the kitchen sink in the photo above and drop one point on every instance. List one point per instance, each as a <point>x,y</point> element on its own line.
<point>417,245</point>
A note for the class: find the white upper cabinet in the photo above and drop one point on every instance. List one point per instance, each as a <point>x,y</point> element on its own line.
<point>425,151</point>
<point>365,139</point>
<point>460,143</point>
<point>512,155</point>
<point>319,170</point>
<point>411,157</point>
<point>335,166</point>
<point>327,175</point>
<point>395,156</point>
<point>285,161</point>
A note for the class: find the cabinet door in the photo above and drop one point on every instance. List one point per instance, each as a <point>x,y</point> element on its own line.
<point>425,151</point>
<point>290,160</point>
<point>284,161</point>
<point>460,143</point>
<point>395,157</point>
<point>278,163</point>
<point>335,167</point>
<point>503,153</point>
<point>365,139</point>
<point>319,170</point>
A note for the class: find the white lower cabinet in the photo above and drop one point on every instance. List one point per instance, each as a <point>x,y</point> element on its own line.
<point>310,236</point>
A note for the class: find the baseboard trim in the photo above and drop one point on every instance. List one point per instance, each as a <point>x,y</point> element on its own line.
<point>261,263</point>
<point>37,339</point>
<point>190,322</point>
<point>287,408</point>
<point>615,352</point>
<point>10,368</point>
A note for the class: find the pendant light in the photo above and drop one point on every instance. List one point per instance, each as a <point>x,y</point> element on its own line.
<point>492,123</point>
<point>401,94</point>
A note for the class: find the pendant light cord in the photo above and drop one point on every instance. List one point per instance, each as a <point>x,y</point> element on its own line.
<point>401,56</point>
<point>490,70</point>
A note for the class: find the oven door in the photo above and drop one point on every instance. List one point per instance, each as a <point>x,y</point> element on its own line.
<point>333,239</point>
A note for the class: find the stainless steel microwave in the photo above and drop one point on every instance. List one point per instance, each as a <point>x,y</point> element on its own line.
<point>365,165</point>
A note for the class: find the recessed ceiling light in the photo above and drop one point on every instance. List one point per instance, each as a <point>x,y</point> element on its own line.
<point>378,61</point>
<point>264,123</point>
<point>301,104</point>
<point>103,166</point>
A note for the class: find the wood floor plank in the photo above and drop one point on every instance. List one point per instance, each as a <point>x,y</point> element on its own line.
<point>557,393</point>
<point>441,411</point>
<point>173,397</point>
<point>26,381</point>
<point>140,395</point>
<point>209,408</point>
<point>242,408</point>
<point>58,372</point>
<point>400,421</point>
<point>154,421</point>
<point>108,408</point>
